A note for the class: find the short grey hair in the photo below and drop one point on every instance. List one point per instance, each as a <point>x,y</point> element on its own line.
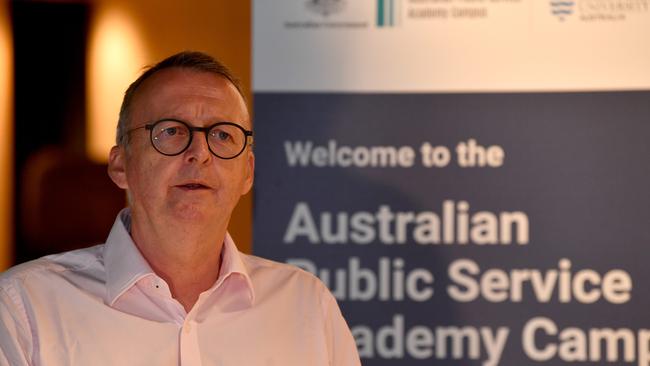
<point>197,61</point>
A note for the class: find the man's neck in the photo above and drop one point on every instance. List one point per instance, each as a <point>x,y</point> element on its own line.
<point>187,259</point>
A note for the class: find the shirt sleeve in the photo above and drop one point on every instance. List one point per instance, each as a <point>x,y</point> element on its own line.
<point>15,336</point>
<point>341,346</point>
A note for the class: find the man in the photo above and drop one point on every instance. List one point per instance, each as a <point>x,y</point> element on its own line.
<point>169,286</point>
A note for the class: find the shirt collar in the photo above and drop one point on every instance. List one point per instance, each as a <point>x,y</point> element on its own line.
<point>232,265</point>
<point>125,265</point>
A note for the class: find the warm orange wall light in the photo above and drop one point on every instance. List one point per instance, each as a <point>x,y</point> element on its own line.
<point>115,57</point>
<point>6,138</point>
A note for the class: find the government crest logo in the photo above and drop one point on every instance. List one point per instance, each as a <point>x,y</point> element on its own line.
<point>325,7</point>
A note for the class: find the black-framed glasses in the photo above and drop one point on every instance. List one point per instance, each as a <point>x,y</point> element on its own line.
<point>226,140</point>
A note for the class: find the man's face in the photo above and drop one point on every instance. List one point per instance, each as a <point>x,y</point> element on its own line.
<point>195,186</point>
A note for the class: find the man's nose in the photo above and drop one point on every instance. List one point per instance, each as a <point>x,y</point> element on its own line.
<point>198,150</point>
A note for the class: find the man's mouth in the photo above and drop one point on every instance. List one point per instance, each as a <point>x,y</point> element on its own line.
<point>192,186</point>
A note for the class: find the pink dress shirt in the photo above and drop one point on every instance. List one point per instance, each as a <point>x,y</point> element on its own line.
<point>105,306</point>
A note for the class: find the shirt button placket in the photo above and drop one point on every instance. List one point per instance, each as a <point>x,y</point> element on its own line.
<point>190,352</point>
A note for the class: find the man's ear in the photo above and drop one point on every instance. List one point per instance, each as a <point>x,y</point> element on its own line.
<point>250,173</point>
<point>116,167</point>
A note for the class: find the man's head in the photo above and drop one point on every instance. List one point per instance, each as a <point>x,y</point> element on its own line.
<point>197,61</point>
<point>194,186</point>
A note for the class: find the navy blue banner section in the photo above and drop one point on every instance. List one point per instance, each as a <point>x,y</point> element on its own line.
<point>466,229</point>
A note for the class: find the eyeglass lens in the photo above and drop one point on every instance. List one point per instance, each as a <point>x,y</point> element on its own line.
<point>173,137</point>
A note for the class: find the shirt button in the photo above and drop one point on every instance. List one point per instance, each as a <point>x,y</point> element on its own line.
<point>187,328</point>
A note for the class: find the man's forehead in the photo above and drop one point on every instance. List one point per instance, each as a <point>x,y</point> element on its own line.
<point>187,81</point>
<point>171,87</point>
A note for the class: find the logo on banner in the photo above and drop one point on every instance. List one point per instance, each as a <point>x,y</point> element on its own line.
<point>388,13</point>
<point>334,14</point>
<point>325,7</point>
<point>562,9</point>
<point>599,10</point>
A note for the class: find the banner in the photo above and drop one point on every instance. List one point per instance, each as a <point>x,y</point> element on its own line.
<point>468,177</point>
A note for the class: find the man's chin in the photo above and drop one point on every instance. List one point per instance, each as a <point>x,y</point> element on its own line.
<point>200,213</point>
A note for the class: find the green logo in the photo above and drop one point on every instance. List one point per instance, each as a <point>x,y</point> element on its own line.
<point>388,13</point>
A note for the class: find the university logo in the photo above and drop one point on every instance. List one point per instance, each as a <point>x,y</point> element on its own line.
<point>562,9</point>
<point>388,13</point>
<point>325,7</point>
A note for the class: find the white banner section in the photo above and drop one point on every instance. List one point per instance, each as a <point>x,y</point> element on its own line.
<point>450,45</point>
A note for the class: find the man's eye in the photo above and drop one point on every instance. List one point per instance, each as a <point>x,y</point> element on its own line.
<point>175,131</point>
<point>221,135</point>
<point>170,131</point>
